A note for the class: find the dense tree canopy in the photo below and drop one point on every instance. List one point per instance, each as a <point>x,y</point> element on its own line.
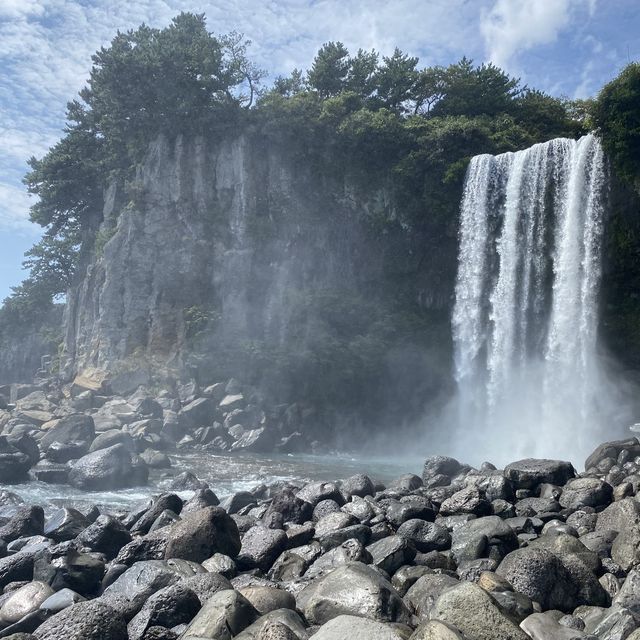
<point>616,114</point>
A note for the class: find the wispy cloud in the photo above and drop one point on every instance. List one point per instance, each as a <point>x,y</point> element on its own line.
<point>511,27</point>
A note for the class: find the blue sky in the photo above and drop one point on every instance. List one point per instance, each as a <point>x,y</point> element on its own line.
<point>565,47</point>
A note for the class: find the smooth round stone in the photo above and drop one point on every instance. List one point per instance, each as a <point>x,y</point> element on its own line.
<point>24,601</point>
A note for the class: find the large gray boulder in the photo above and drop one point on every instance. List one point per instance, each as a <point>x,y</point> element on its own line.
<point>110,468</point>
<point>77,427</point>
<point>281,617</point>
<point>425,536</point>
<point>355,589</point>
<point>223,617</point>
<point>92,620</point>
<point>171,606</point>
<point>423,594</point>
<point>626,548</point>
<point>436,630</point>
<point>619,515</point>
<point>23,601</point>
<point>540,626</point>
<point>476,614</point>
<point>260,548</point>
<point>555,582</point>
<point>202,533</point>
<point>356,628</point>
<point>586,492</point>
<point>531,472</point>
<point>138,583</point>
<point>488,537</point>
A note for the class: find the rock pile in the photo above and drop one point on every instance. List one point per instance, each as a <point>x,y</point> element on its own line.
<point>532,552</point>
<point>107,435</point>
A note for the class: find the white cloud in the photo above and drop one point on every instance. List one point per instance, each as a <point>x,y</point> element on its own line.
<point>511,27</point>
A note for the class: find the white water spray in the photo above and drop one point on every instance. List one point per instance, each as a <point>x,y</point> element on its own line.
<point>526,302</point>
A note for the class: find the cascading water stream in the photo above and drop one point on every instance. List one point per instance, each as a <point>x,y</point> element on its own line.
<point>525,314</point>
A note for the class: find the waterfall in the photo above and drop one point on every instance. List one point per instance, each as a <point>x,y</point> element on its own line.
<point>526,300</point>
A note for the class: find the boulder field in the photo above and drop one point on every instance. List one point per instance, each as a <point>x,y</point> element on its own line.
<point>536,551</point>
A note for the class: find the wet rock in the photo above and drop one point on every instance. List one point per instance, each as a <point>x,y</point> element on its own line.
<point>292,508</point>
<point>16,567</point>
<point>165,501</point>
<point>356,628</point>
<point>201,534</point>
<point>198,413</point>
<point>471,610</point>
<point>489,537</point>
<point>27,521</point>
<point>555,583</point>
<point>23,601</point>
<point>389,554</point>
<point>531,472</point>
<point>223,617</point>
<point>77,427</point>
<point>111,468</point>
<point>349,551</point>
<point>187,481</point>
<point>436,630</point>
<point>324,508</point>
<point>317,491</point>
<point>137,584</point>
<point>440,465</point>
<point>425,536</point>
<point>260,548</point>
<point>625,549</point>
<point>168,607</point>
<point>267,599</point>
<point>51,472</point>
<point>411,508</point>
<point>206,585</point>
<point>63,567</point>
<point>84,621</point>
<point>407,482</point>
<point>14,464</point>
<point>106,535</point>
<point>586,492</point>
<point>238,501</point>
<point>540,626</point>
<point>110,438</point>
<point>423,594</point>
<point>219,563</point>
<point>619,515</point>
<point>61,600</point>
<point>260,629</point>
<point>359,485</point>
<point>628,596</point>
<point>199,500</point>
<point>355,589</point>
<point>468,500</point>
<point>405,577</point>
<point>65,524</point>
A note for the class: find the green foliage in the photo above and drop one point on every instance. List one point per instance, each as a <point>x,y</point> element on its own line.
<point>329,69</point>
<point>616,114</point>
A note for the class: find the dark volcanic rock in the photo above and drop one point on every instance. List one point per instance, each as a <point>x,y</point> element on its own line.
<point>106,535</point>
<point>65,524</point>
<point>355,589</point>
<point>260,548</point>
<point>201,534</point>
<point>531,472</point>
<point>14,464</point>
<point>74,428</point>
<point>84,621</point>
<point>27,521</point>
<point>425,536</point>
<point>110,468</point>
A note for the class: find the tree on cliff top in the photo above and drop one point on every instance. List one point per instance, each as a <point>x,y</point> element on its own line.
<point>616,114</point>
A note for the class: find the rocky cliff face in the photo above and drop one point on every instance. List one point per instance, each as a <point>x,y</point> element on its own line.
<point>218,248</point>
